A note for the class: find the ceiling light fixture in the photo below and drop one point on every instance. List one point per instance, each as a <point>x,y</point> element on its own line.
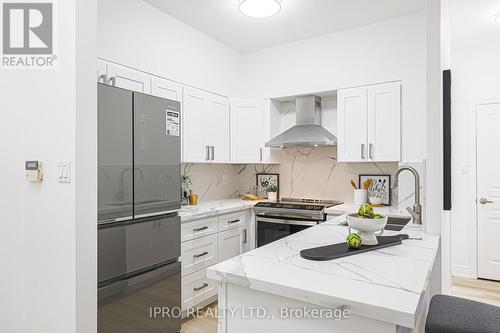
<point>496,18</point>
<point>260,8</point>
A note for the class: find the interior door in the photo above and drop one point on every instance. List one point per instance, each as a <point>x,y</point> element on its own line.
<point>384,122</point>
<point>157,155</point>
<point>488,190</point>
<point>352,125</point>
<point>217,128</point>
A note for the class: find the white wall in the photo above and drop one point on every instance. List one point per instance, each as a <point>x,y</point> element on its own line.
<point>138,35</point>
<point>475,65</point>
<point>391,50</point>
<point>39,244</point>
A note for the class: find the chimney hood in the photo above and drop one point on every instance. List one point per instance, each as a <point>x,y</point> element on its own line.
<point>308,131</point>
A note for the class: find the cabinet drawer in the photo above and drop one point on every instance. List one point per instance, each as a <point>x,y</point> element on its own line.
<point>199,228</point>
<point>197,288</point>
<point>233,220</point>
<point>199,253</point>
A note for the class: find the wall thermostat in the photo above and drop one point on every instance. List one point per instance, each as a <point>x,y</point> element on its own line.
<point>34,171</point>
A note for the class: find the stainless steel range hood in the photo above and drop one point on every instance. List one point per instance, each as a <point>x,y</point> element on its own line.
<point>308,131</point>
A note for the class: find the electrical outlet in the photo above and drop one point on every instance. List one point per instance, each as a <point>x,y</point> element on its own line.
<point>224,179</point>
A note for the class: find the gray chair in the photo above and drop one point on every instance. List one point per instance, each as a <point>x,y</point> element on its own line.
<point>449,314</point>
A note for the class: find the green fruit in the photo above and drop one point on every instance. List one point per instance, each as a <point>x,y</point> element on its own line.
<point>354,241</point>
<point>366,211</point>
<point>377,216</point>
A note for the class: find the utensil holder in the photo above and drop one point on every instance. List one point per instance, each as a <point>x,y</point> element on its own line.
<point>360,196</point>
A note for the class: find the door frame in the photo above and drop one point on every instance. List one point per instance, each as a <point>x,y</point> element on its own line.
<point>473,206</point>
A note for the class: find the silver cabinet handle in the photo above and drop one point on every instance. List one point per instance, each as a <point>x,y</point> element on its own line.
<point>233,221</point>
<point>103,78</point>
<point>207,153</point>
<point>213,153</point>
<point>200,255</point>
<point>244,236</point>
<point>203,286</point>
<point>484,201</point>
<point>260,154</point>
<point>370,150</point>
<point>200,229</point>
<point>362,151</point>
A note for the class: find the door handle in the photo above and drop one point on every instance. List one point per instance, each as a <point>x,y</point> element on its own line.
<point>370,151</point>
<point>200,255</point>
<point>362,151</point>
<point>484,201</point>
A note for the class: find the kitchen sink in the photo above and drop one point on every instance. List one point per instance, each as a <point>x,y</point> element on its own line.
<point>393,223</point>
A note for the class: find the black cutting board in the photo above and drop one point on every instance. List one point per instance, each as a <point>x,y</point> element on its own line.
<point>340,250</point>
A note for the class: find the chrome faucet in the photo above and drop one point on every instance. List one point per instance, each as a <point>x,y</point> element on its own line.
<point>416,212</point>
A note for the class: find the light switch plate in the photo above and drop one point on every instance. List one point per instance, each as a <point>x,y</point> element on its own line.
<point>64,171</point>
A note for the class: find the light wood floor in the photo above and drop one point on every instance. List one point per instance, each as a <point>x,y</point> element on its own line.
<point>201,324</point>
<point>478,290</point>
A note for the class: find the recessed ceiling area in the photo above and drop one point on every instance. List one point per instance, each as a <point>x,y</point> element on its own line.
<point>297,20</point>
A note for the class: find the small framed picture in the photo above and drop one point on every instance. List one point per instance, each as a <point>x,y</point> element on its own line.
<point>267,181</point>
<point>379,191</point>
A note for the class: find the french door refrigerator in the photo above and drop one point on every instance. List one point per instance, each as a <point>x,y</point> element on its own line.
<point>139,157</point>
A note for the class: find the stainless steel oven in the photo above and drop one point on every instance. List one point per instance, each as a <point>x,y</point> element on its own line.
<point>276,220</point>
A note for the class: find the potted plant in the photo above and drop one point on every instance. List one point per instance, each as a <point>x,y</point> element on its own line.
<point>272,193</point>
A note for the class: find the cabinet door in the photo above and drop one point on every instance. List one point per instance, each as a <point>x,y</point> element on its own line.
<point>249,131</point>
<point>194,145</point>
<point>230,243</point>
<point>384,122</point>
<point>216,127</point>
<point>352,125</point>
<point>130,79</point>
<point>166,89</point>
<point>102,69</point>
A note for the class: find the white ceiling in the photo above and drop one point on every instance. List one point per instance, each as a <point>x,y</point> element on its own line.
<point>298,19</point>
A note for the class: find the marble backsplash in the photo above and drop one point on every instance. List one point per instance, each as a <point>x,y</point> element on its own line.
<point>304,173</point>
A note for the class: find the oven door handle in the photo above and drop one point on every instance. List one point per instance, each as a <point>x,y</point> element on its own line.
<point>283,221</point>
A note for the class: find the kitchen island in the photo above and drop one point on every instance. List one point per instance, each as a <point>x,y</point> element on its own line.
<point>273,289</point>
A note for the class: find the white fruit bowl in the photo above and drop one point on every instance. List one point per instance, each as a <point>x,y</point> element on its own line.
<point>367,227</point>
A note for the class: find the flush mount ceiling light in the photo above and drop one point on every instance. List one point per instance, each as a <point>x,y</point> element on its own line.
<point>260,8</point>
<point>496,18</point>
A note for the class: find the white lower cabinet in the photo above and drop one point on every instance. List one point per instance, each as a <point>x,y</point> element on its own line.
<point>231,243</point>
<point>199,253</point>
<point>196,289</point>
<point>206,242</point>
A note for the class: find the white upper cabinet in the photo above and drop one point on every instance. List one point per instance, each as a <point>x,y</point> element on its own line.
<point>206,127</point>
<point>130,79</point>
<point>384,122</point>
<point>369,123</point>
<point>216,124</point>
<point>166,89</point>
<point>249,131</point>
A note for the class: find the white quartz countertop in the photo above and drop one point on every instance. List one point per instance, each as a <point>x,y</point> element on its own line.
<point>351,207</point>
<point>386,284</point>
<point>212,208</point>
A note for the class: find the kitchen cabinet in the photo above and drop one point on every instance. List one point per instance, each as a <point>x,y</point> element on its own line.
<point>249,131</point>
<point>199,254</point>
<point>166,89</point>
<point>231,243</point>
<point>127,78</point>
<point>205,127</point>
<point>369,123</point>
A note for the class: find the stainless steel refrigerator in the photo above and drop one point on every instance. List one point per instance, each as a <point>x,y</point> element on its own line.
<point>139,153</point>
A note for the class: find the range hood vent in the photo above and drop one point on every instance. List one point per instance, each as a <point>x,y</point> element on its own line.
<point>308,131</point>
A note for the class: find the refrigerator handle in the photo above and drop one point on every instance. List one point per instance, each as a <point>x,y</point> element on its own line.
<point>207,153</point>
<point>213,153</point>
